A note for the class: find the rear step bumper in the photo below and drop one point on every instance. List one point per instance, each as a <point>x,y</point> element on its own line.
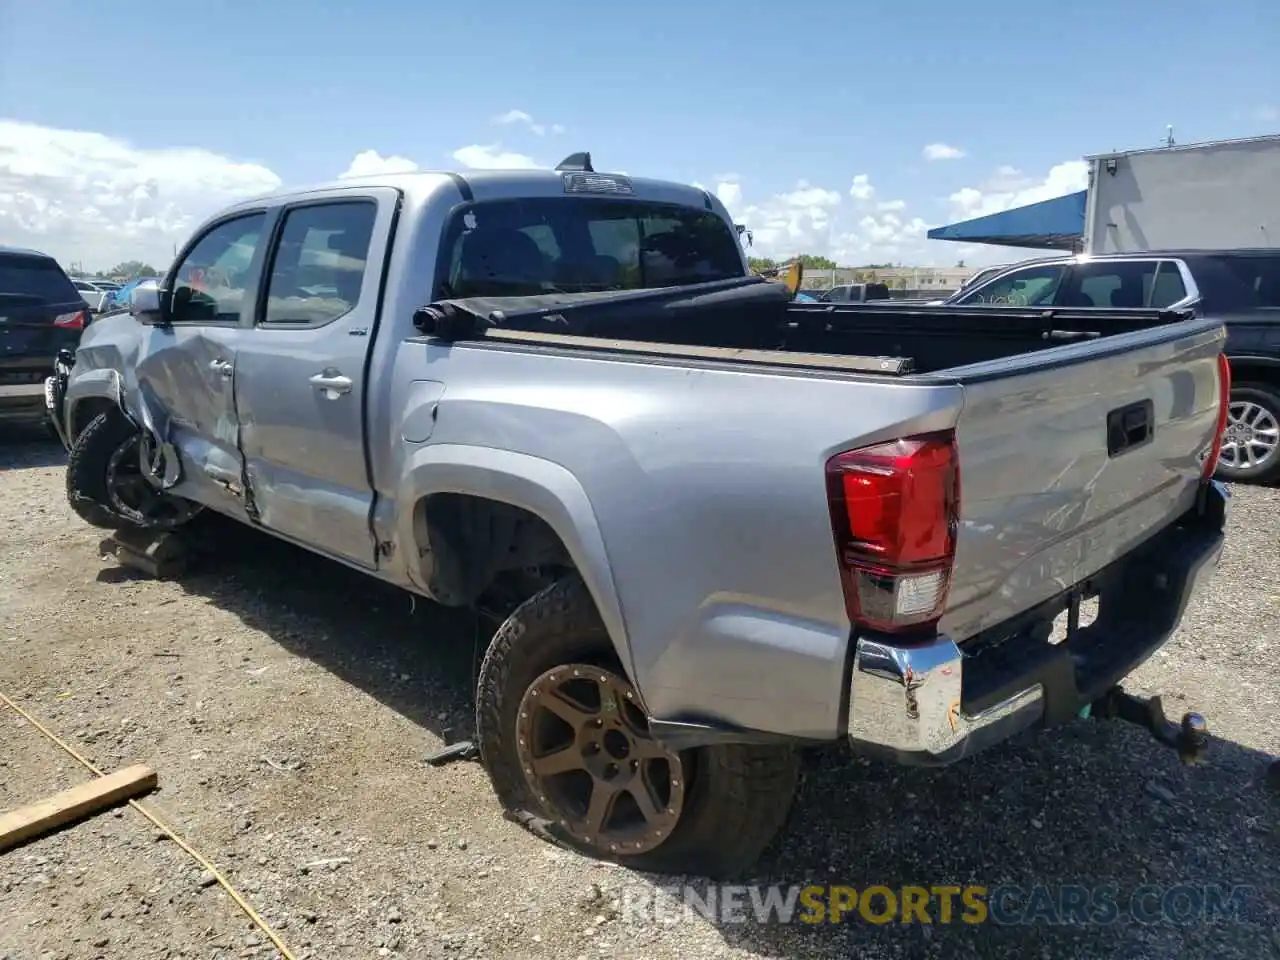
<point>936,702</point>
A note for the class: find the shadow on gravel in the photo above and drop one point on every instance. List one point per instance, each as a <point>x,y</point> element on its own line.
<point>1095,804</point>
<point>414,656</point>
<point>27,447</point>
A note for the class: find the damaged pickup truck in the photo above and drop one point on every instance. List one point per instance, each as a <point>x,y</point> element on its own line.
<point>718,527</point>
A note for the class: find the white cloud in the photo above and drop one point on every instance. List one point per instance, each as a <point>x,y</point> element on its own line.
<point>523,118</point>
<point>369,163</point>
<point>883,238</point>
<point>942,151</point>
<point>1009,187</point>
<point>730,194</point>
<point>812,219</point>
<point>862,190</point>
<point>493,157</point>
<point>90,198</point>
<point>810,198</point>
<point>797,221</point>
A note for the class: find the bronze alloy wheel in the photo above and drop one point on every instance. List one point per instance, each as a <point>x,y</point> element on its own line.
<point>586,752</point>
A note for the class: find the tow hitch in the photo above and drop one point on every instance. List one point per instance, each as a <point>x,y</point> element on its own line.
<point>1190,737</point>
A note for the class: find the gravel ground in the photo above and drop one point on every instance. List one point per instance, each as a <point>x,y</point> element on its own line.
<point>287,705</point>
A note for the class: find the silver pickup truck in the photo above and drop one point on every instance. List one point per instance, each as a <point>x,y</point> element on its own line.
<point>718,527</point>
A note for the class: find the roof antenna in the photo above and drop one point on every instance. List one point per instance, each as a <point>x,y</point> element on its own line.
<point>576,161</point>
<point>1168,136</point>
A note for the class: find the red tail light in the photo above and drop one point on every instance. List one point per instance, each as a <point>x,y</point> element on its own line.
<point>71,321</point>
<point>1224,404</point>
<point>894,509</point>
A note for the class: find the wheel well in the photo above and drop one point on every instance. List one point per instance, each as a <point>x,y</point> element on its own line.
<point>472,548</point>
<point>85,411</point>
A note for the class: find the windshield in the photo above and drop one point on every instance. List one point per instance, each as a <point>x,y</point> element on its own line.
<point>576,245</point>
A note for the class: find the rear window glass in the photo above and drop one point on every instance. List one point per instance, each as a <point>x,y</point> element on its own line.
<point>572,245</point>
<point>37,278</point>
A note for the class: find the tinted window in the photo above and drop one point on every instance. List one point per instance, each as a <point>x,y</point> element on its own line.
<point>1124,283</point>
<point>212,283</point>
<point>525,247</point>
<point>35,279</point>
<point>1258,279</point>
<point>318,268</point>
<point>1168,288</point>
<point>1031,287</point>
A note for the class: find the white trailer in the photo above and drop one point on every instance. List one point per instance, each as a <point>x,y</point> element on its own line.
<point>1224,194</point>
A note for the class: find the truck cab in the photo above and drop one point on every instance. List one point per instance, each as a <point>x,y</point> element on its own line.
<point>855,293</point>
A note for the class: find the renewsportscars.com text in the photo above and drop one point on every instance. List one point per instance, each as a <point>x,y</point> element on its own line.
<point>1003,905</point>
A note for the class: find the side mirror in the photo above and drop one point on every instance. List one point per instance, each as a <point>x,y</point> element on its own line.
<point>144,302</point>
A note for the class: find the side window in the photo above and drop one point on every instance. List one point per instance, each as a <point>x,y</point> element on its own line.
<point>1022,288</point>
<point>1267,282</point>
<point>1168,287</point>
<point>319,265</point>
<point>212,283</point>
<point>1257,279</point>
<point>1111,283</point>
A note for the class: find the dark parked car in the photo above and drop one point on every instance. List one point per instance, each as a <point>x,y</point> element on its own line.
<point>1240,287</point>
<point>41,312</point>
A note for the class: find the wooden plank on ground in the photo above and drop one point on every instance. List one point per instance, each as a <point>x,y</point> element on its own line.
<point>20,825</point>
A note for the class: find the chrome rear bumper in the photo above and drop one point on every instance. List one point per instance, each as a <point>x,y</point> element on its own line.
<point>932,703</point>
<point>907,702</point>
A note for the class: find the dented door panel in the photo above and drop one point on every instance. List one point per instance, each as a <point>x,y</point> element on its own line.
<point>186,389</point>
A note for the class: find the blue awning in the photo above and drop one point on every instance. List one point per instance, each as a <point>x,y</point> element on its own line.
<point>1056,224</point>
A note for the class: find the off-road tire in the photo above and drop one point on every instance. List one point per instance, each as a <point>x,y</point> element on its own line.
<point>738,797</point>
<point>1268,397</point>
<point>87,469</point>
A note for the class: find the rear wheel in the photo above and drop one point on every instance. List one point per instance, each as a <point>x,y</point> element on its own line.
<point>1251,441</point>
<point>105,484</point>
<point>564,736</point>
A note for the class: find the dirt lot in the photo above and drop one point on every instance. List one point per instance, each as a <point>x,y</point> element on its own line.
<point>288,705</point>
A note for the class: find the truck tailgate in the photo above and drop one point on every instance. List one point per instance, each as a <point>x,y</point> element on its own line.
<point>1069,460</point>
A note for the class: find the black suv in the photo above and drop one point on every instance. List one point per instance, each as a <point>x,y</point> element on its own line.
<point>1240,287</point>
<point>41,312</point>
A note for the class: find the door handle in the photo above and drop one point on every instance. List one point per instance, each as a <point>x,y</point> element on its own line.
<point>221,366</point>
<point>332,383</point>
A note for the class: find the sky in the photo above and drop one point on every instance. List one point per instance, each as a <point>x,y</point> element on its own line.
<point>840,129</point>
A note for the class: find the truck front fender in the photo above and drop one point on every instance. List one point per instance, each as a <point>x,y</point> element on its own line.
<point>101,383</point>
<point>544,489</point>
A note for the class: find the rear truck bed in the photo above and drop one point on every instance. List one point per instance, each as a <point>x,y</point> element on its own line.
<point>1061,457</point>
